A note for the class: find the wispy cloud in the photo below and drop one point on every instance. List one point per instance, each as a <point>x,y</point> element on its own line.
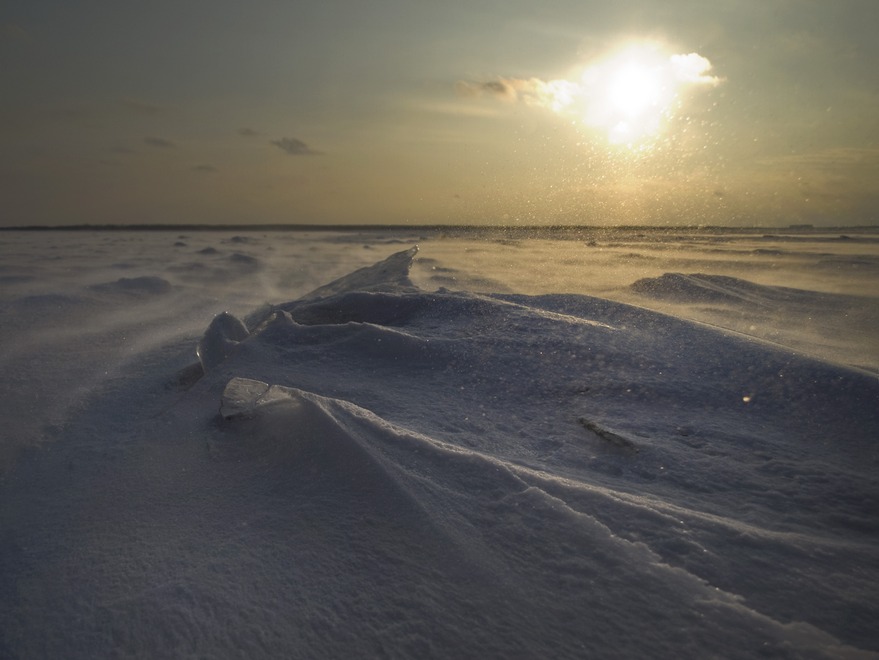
<point>140,107</point>
<point>248,132</point>
<point>829,160</point>
<point>207,169</point>
<point>505,89</point>
<point>161,143</point>
<point>13,32</point>
<point>455,109</point>
<point>553,94</point>
<point>294,147</point>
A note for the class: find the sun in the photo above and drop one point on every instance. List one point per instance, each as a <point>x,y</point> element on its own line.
<point>634,90</point>
<point>628,95</point>
<point>631,93</point>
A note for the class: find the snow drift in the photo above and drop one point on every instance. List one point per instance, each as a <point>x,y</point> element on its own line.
<point>378,470</point>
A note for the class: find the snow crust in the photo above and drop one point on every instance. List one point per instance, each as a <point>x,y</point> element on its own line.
<point>375,469</point>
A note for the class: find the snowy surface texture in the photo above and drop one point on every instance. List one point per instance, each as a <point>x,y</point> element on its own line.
<point>337,445</point>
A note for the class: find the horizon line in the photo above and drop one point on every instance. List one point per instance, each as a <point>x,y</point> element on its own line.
<point>803,227</point>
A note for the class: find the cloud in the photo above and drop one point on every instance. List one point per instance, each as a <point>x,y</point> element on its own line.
<point>294,147</point>
<point>159,142</point>
<point>499,88</point>
<point>141,107</point>
<point>863,160</point>
<point>552,94</point>
<point>505,89</point>
<point>693,68</point>
<point>13,32</point>
<point>248,132</point>
<point>629,94</point>
<point>686,69</point>
<point>205,168</point>
<point>455,109</point>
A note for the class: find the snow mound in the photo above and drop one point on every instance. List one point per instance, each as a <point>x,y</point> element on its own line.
<point>379,470</point>
<point>217,267</point>
<point>146,285</point>
<point>832,326</point>
<point>244,261</point>
<point>390,274</point>
<point>702,288</point>
<point>45,302</point>
<point>572,438</point>
<point>222,336</point>
<point>528,551</point>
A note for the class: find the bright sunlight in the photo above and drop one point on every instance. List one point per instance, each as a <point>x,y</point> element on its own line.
<point>631,93</point>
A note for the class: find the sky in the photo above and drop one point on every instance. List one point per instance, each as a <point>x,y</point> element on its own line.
<point>730,112</point>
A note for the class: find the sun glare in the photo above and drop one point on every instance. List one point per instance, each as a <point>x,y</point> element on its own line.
<point>633,98</point>
<point>635,90</point>
<point>631,93</point>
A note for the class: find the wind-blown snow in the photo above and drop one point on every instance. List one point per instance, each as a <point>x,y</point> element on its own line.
<point>376,469</point>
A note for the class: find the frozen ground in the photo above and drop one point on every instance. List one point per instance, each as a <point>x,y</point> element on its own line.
<point>619,445</point>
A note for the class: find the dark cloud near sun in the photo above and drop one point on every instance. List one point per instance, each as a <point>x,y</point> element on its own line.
<point>161,143</point>
<point>500,88</point>
<point>294,147</point>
